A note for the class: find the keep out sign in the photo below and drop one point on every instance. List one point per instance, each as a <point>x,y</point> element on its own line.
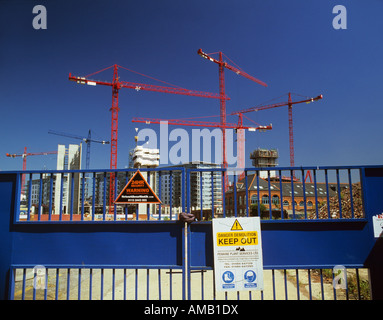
<point>238,262</point>
<point>237,238</point>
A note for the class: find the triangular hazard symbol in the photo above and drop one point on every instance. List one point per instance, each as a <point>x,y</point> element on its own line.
<point>236,225</point>
<point>137,190</point>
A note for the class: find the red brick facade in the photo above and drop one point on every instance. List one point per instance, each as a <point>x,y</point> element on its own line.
<point>275,194</point>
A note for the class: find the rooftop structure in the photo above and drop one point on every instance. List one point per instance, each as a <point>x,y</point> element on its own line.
<point>144,157</point>
<point>265,158</point>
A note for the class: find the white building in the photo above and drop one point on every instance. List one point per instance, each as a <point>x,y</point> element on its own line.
<point>141,157</point>
<point>68,159</point>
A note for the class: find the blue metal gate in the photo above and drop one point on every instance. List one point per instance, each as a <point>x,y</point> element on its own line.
<point>60,223</point>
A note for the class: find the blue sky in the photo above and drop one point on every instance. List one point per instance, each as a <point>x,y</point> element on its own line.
<point>290,45</point>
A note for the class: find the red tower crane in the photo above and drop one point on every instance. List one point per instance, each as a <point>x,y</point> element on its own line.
<point>290,104</point>
<point>116,85</point>
<point>239,127</point>
<point>221,67</point>
<point>25,155</point>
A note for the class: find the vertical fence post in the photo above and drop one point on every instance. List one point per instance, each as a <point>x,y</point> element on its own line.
<point>281,194</point>
<point>185,269</point>
<point>223,193</point>
<point>235,194</point>
<point>40,196</point>
<point>50,196</point>
<point>29,197</point>
<point>212,193</point>
<point>170,194</point>
<point>246,194</point>
<point>183,195</point>
<point>159,194</point>
<point>188,194</point>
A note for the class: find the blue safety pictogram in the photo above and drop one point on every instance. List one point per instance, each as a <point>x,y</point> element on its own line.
<point>250,276</point>
<point>228,277</point>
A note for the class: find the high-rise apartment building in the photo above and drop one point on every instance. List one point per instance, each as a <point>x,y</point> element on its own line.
<point>68,159</point>
<point>205,187</point>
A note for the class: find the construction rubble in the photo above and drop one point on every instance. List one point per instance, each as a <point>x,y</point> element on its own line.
<point>348,205</point>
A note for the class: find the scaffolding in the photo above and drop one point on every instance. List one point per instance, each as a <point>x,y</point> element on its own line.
<point>264,158</point>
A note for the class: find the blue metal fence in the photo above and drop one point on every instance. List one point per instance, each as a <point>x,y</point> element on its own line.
<point>83,195</point>
<point>62,220</point>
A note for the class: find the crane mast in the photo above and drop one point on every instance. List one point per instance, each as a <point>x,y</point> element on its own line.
<point>221,73</point>
<point>114,130</point>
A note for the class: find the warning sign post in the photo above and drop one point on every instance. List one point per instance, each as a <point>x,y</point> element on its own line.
<point>238,261</point>
<point>137,190</point>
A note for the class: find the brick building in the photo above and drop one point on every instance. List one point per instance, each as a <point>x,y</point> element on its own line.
<point>275,192</point>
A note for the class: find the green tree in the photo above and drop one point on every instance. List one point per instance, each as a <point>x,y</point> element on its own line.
<point>254,209</point>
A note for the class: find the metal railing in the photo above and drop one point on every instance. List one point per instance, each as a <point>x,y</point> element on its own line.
<point>83,195</point>
<point>98,283</point>
<point>278,195</point>
<point>285,194</point>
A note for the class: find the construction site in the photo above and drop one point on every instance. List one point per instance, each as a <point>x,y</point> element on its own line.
<point>141,161</point>
<point>79,187</point>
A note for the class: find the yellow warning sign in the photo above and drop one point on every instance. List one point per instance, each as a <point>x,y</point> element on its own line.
<point>236,225</point>
<point>245,238</point>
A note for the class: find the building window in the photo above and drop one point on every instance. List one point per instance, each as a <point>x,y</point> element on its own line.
<point>275,200</point>
<point>265,199</point>
<point>301,204</point>
<point>240,200</point>
<point>254,199</point>
<point>285,203</point>
<point>310,204</point>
